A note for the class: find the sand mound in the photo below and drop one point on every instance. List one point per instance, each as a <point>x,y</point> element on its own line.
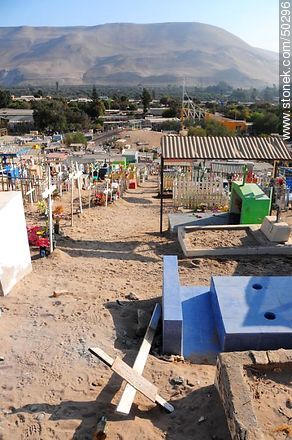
<point>59,255</point>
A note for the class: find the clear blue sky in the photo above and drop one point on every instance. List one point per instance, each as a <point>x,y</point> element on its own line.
<point>255,21</point>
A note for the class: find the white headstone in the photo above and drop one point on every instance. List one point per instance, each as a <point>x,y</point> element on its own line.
<point>15,261</point>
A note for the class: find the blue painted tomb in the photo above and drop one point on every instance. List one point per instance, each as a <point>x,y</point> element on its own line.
<point>252,313</point>
<point>235,314</point>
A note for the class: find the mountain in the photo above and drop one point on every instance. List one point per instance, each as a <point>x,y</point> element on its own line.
<point>129,54</point>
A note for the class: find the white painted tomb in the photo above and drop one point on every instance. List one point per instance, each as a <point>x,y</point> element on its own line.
<point>15,261</point>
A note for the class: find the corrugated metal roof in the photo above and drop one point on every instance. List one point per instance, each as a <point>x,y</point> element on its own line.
<point>223,147</point>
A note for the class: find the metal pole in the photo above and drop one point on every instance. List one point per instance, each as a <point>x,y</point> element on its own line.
<point>161,193</point>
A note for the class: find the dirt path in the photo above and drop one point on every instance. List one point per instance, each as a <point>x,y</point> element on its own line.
<point>51,387</point>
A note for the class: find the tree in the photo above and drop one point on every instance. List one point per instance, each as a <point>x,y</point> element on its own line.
<point>50,115</point>
<point>169,113</point>
<point>169,126</point>
<point>75,138</point>
<point>265,122</point>
<point>146,99</point>
<point>94,96</point>
<point>164,100</point>
<point>5,98</point>
<point>197,131</point>
<point>132,107</point>
<point>214,128</point>
<point>38,94</point>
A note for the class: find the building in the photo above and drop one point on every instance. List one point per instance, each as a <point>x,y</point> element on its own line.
<point>27,98</point>
<point>234,125</point>
<point>17,120</point>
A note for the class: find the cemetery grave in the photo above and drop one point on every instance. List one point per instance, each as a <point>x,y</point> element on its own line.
<point>255,390</point>
<point>231,314</point>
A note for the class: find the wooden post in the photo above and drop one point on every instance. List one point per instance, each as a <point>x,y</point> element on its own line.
<point>275,169</point>
<point>60,174</point>
<point>72,198</point>
<point>50,213</point>
<point>78,175</point>
<point>2,179</point>
<point>106,194</point>
<point>89,195</point>
<point>161,193</point>
<point>47,194</point>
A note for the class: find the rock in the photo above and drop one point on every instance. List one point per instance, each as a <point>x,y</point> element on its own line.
<point>132,296</point>
<point>195,263</point>
<point>2,359</point>
<point>177,380</point>
<point>191,383</point>
<point>143,319</point>
<point>171,358</point>
<point>21,417</point>
<point>40,417</point>
<point>202,419</point>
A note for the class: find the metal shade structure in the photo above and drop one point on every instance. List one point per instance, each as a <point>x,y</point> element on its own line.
<point>178,148</point>
<point>224,148</point>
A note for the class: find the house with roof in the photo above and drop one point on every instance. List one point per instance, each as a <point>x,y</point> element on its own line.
<point>17,120</point>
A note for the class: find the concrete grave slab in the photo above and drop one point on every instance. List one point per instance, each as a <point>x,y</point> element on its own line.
<point>252,313</point>
<point>171,307</point>
<point>15,261</point>
<point>199,331</point>
<point>235,314</point>
<point>177,219</point>
<point>262,246</point>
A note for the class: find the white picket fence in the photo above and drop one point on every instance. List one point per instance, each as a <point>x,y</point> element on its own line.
<point>190,194</point>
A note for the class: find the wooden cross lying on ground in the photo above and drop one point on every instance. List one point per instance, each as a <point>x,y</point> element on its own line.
<point>133,376</point>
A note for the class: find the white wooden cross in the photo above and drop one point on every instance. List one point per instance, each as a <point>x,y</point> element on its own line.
<point>47,194</point>
<point>29,193</point>
<point>89,193</point>
<point>76,174</point>
<point>133,376</point>
<point>129,393</point>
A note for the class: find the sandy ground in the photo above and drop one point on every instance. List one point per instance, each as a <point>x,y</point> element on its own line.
<point>51,386</point>
<point>152,138</point>
<point>213,239</point>
<point>271,393</point>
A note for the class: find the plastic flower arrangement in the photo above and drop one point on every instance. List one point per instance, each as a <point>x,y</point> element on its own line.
<point>42,207</point>
<point>58,212</point>
<point>100,199</point>
<point>36,236</point>
<point>43,242</point>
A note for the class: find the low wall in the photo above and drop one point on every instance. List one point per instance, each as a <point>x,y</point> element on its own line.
<point>236,395</point>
